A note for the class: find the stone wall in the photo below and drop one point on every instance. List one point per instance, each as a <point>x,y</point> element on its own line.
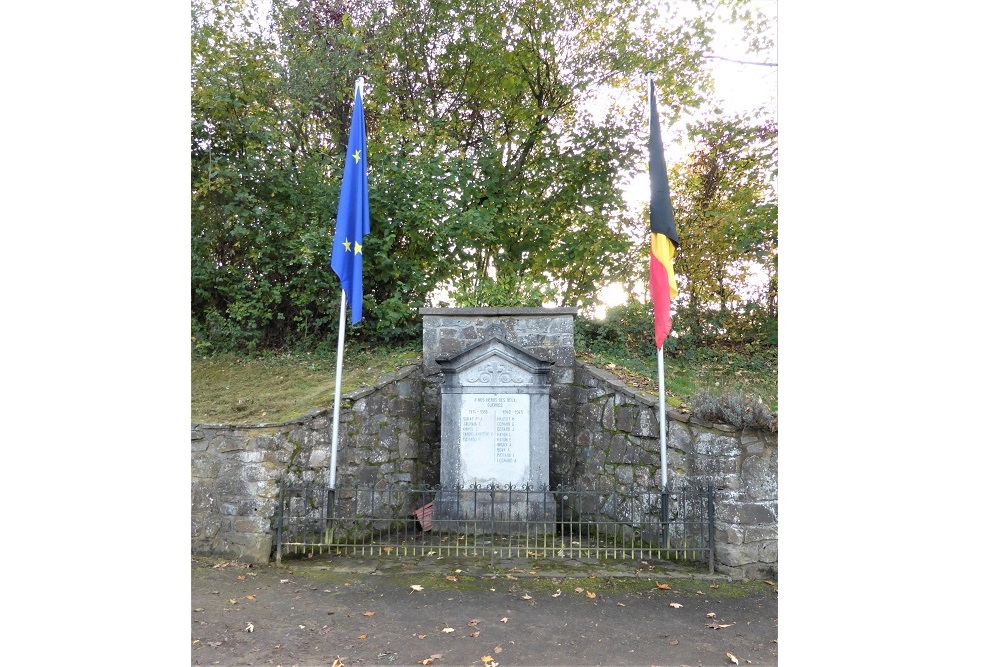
<point>617,442</point>
<point>603,434</point>
<point>235,470</point>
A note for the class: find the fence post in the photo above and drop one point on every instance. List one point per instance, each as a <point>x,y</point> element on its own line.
<point>281,517</point>
<point>711,528</point>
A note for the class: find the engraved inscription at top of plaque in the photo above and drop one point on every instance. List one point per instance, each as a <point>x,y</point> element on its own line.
<point>494,372</point>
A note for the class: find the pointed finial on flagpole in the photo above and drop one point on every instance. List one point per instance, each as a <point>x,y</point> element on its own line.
<point>359,84</point>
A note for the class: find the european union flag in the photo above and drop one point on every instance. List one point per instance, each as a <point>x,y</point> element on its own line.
<point>352,212</point>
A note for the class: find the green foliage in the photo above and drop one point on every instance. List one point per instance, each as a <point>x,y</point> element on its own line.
<point>726,206</point>
<point>625,330</point>
<point>503,292</point>
<point>487,153</point>
<point>496,162</point>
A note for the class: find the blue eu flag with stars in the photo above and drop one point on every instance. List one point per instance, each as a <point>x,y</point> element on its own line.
<point>352,212</point>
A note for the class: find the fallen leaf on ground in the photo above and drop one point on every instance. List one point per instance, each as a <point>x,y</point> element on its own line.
<point>674,642</point>
<point>578,589</point>
<point>474,634</point>
<point>421,636</point>
<point>557,593</point>
<point>448,630</point>
<point>504,619</point>
<point>451,578</point>
<point>416,587</point>
<point>710,614</point>
<point>368,613</point>
<point>474,622</point>
<point>283,581</point>
<point>769,582</point>
<point>487,658</point>
<point>250,597</point>
<point>714,586</point>
<point>362,636</point>
<point>249,627</point>
<point>231,601</point>
<point>337,662</point>
<point>525,597</point>
<point>676,605</point>
<point>591,595</point>
<point>663,587</point>
<point>498,649</point>
<point>733,658</point>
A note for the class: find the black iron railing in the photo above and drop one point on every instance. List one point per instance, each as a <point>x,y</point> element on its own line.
<point>498,521</point>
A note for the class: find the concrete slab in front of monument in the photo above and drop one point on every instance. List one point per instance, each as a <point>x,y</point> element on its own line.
<point>495,440</point>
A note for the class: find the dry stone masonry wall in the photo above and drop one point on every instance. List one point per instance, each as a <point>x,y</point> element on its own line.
<point>603,435</point>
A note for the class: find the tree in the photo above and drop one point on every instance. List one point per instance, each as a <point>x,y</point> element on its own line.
<point>726,202</point>
<point>499,136</point>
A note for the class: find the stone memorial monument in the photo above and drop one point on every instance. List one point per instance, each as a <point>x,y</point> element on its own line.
<point>494,437</point>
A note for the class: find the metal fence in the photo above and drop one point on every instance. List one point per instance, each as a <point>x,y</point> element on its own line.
<point>388,520</point>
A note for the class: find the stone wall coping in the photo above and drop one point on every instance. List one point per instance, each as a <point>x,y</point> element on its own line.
<point>652,400</point>
<point>479,312</point>
<point>388,378</point>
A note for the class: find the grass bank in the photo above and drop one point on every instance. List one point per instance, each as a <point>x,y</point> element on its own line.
<point>228,389</point>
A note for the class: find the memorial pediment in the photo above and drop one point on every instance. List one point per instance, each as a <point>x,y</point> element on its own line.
<point>494,362</point>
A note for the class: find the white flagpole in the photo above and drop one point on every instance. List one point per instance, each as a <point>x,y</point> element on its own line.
<point>663,421</point>
<point>659,351</point>
<point>335,425</point>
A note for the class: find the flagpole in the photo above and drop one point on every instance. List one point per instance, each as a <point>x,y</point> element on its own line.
<point>663,421</point>
<point>659,350</point>
<point>335,426</point>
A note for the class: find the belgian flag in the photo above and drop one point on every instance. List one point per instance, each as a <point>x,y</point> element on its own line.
<point>663,231</point>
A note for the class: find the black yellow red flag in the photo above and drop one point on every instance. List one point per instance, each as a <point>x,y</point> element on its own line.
<point>663,230</point>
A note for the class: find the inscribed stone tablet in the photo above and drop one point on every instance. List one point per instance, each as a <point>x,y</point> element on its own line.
<point>494,438</point>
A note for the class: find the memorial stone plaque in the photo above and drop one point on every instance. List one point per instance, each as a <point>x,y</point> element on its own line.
<point>494,432</point>
<point>494,438</point>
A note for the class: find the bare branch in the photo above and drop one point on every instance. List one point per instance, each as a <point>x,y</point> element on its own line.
<point>741,62</point>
